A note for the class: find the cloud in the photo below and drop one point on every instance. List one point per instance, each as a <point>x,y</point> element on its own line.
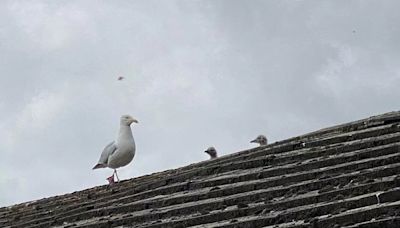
<point>197,74</point>
<point>49,26</point>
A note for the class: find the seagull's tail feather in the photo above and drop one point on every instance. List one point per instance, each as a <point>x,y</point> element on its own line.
<point>98,166</point>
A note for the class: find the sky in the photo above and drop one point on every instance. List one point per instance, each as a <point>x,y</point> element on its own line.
<point>196,74</point>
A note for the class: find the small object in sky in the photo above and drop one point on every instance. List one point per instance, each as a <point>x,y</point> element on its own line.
<point>354,31</point>
<point>212,152</point>
<point>119,153</point>
<point>120,78</point>
<point>261,139</point>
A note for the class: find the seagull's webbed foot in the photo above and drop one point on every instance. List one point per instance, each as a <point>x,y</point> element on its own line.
<point>111,180</point>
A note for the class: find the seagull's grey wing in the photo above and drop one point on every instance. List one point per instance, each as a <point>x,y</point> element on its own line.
<point>108,150</point>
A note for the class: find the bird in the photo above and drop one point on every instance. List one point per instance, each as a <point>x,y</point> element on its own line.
<point>261,139</point>
<point>212,152</point>
<point>120,152</point>
<point>120,78</point>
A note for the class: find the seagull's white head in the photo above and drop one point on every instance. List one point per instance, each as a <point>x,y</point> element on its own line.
<point>128,120</point>
<point>212,152</point>
<point>261,139</point>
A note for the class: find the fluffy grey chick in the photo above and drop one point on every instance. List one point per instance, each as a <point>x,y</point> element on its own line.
<point>212,152</point>
<point>119,153</point>
<point>261,139</point>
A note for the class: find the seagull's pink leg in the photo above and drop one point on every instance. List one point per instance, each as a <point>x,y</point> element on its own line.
<point>111,179</point>
<point>115,171</point>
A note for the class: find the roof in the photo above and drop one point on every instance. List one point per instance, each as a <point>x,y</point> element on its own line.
<point>343,176</point>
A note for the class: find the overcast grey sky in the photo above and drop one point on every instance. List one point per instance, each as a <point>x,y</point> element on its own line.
<point>197,73</point>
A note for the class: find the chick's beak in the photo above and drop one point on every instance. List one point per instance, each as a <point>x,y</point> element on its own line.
<point>253,141</point>
<point>135,121</point>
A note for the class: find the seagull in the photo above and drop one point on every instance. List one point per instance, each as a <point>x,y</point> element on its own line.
<point>212,152</point>
<point>119,153</point>
<point>261,139</point>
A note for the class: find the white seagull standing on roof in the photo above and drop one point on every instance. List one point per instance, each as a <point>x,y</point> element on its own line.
<point>261,139</point>
<point>119,153</point>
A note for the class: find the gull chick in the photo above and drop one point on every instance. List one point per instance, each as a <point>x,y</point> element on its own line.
<point>212,152</point>
<point>261,139</point>
<point>119,153</point>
